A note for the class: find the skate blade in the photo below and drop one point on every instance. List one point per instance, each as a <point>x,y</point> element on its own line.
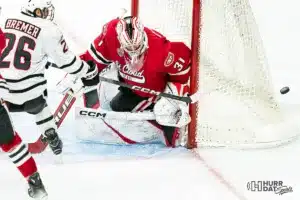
<point>41,197</point>
<point>45,197</point>
<point>59,159</point>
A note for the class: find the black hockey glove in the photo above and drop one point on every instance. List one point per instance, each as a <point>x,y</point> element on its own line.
<point>92,77</point>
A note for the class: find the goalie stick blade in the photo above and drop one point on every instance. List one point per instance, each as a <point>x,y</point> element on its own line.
<point>59,116</point>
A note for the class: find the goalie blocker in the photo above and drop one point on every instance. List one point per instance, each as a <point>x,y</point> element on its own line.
<point>171,116</point>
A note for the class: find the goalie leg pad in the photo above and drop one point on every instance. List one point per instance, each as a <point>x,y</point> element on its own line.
<point>6,127</point>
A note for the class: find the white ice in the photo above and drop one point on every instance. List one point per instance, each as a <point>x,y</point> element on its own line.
<point>91,171</point>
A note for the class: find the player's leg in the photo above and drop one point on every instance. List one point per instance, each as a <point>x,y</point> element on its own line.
<point>45,122</point>
<point>17,151</point>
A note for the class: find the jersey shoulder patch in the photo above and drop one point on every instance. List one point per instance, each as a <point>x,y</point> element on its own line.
<point>169,59</point>
<point>177,57</point>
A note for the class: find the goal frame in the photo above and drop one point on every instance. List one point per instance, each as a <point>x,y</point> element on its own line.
<point>195,65</point>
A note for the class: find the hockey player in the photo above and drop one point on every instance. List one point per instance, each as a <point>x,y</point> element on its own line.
<point>145,58</point>
<point>31,39</point>
<point>13,146</point>
<point>17,151</point>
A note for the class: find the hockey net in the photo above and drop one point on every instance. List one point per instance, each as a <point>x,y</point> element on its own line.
<point>238,107</point>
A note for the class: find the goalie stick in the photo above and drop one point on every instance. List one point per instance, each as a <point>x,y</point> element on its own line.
<point>188,99</point>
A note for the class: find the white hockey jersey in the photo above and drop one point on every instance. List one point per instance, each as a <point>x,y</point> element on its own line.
<point>3,88</point>
<point>3,85</point>
<point>30,43</point>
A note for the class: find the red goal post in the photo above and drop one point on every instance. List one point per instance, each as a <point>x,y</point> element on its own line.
<point>195,64</point>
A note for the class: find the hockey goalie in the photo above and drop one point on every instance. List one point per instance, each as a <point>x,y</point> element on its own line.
<point>128,52</point>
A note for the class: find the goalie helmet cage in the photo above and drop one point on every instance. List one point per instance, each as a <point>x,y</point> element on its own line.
<point>238,108</point>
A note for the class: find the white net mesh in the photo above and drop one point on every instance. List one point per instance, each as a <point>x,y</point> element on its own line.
<point>238,108</point>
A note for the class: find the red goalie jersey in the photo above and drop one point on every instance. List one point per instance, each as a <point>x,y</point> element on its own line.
<point>162,62</point>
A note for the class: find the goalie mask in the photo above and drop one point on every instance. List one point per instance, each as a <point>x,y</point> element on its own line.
<point>39,8</point>
<point>133,40</point>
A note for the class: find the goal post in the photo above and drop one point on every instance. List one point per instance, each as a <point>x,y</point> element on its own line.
<point>195,75</point>
<point>135,8</point>
<point>239,108</point>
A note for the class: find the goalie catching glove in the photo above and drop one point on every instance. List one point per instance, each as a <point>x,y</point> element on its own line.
<point>169,112</point>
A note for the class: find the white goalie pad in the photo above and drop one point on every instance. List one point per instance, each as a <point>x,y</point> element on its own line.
<point>112,131</point>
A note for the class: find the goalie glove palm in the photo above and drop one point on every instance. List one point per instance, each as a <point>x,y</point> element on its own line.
<point>170,112</point>
<point>92,76</point>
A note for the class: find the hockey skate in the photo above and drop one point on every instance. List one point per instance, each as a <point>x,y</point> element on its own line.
<point>51,137</point>
<point>36,188</point>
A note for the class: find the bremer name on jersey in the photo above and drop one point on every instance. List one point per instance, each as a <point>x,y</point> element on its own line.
<point>163,61</point>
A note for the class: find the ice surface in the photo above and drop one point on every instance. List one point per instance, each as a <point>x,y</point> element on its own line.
<point>93,171</point>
